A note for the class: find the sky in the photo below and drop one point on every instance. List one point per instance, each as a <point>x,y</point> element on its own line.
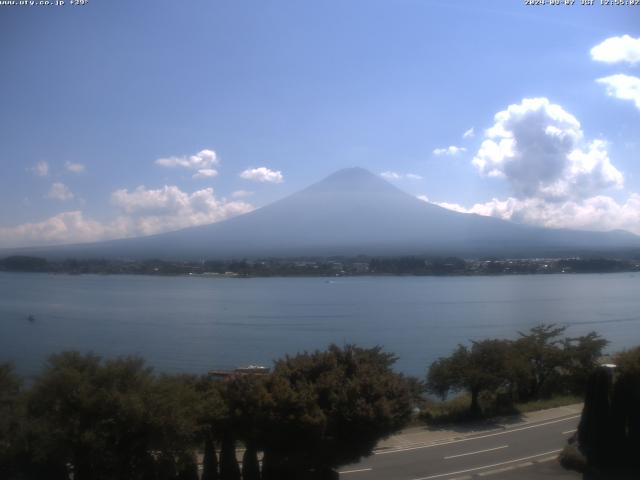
<point>121,119</point>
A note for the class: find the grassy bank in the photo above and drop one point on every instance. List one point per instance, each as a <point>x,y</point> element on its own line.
<point>456,410</point>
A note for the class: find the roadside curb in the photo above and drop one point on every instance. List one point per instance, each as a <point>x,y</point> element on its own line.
<point>502,425</point>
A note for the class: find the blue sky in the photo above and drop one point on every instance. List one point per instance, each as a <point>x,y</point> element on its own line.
<point>129,118</point>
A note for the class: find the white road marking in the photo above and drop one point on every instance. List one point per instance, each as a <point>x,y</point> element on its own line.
<point>355,471</point>
<point>473,453</point>
<point>568,432</point>
<point>504,432</point>
<point>486,466</point>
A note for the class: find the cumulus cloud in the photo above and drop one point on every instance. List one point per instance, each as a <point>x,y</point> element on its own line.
<point>66,227</point>
<point>263,175</point>
<point>556,175</point>
<point>203,162</point>
<point>59,191</point>
<point>169,208</point>
<point>400,176</point>
<point>469,133</point>
<point>74,167</point>
<point>41,169</point>
<point>141,212</point>
<point>595,213</point>
<point>449,151</point>
<point>624,87</point>
<point>617,49</point>
<point>539,149</point>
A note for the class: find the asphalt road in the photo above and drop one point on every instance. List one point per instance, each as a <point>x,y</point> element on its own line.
<point>490,451</point>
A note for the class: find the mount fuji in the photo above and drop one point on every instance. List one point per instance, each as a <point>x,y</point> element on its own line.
<point>352,212</point>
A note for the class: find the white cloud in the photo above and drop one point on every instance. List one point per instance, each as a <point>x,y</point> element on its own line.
<point>617,49</point>
<point>538,148</point>
<point>557,177</point>
<point>203,160</point>
<point>449,206</point>
<point>59,191</point>
<point>74,167</point>
<point>206,173</point>
<point>142,212</point>
<point>41,169</point>
<point>263,175</point>
<point>595,213</point>
<point>400,176</point>
<point>624,87</point>
<point>390,175</point>
<point>469,133</point>
<point>450,151</point>
<point>241,194</point>
<point>169,208</point>
<point>66,227</point>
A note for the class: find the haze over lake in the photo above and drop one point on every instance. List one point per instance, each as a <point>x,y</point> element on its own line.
<point>197,324</point>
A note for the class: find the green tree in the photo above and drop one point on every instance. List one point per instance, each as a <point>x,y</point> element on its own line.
<point>209,460</point>
<point>609,430</point>
<point>542,350</point>
<point>11,420</point>
<point>594,430</point>
<point>335,406</point>
<point>21,263</point>
<point>93,416</point>
<point>248,402</point>
<point>626,402</point>
<point>187,467</point>
<point>582,354</point>
<point>484,366</point>
<point>175,406</point>
<point>628,361</point>
<point>113,419</point>
<point>213,420</point>
<point>229,469</point>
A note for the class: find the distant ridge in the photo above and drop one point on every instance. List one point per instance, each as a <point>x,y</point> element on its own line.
<point>352,212</point>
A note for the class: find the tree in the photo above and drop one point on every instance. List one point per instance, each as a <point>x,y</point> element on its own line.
<point>628,361</point>
<point>21,263</point>
<point>229,469</point>
<point>342,402</point>
<point>582,354</point>
<point>175,405</point>
<point>247,401</point>
<point>594,430</point>
<point>626,402</point>
<point>212,420</point>
<point>11,419</point>
<point>105,418</point>
<point>609,430</point>
<point>250,465</point>
<point>209,460</point>
<point>541,348</point>
<point>484,366</point>
<point>187,467</point>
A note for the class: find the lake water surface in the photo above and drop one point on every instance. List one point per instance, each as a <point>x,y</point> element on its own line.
<point>197,324</point>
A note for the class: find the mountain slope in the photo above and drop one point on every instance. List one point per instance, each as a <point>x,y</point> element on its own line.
<point>348,213</point>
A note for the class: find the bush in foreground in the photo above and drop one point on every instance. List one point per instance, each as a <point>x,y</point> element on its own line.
<point>100,420</point>
<point>609,431</point>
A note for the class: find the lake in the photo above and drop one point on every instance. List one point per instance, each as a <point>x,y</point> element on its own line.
<point>189,324</point>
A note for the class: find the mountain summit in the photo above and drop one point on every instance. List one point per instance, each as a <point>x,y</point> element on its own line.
<point>353,212</point>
